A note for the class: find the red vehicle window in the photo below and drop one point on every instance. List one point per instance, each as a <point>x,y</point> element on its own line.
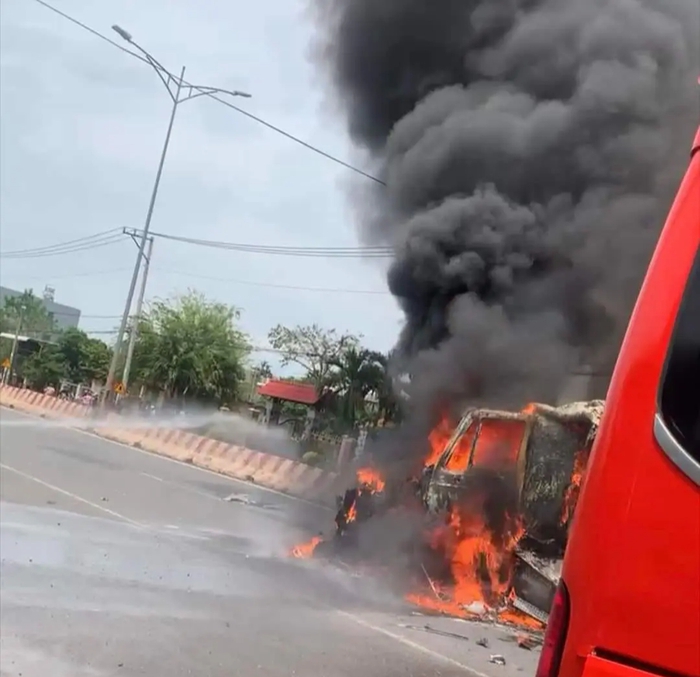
<point>680,386</point>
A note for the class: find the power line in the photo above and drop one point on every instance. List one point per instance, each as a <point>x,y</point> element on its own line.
<point>112,237</point>
<point>242,111</point>
<point>91,273</point>
<point>331,252</point>
<point>253,349</point>
<point>78,245</point>
<point>229,280</point>
<point>275,286</point>
<point>85,238</point>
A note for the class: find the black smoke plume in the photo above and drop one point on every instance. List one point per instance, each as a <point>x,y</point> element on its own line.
<point>529,150</point>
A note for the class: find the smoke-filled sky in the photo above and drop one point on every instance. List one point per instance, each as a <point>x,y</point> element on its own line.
<point>530,149</point>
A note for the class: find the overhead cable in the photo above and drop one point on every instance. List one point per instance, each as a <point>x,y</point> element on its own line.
<point>284,250</point>
<point>242,111</point>
<point>80,244</point>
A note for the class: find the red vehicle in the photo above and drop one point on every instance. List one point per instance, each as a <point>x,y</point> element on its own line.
<point>629,601</point>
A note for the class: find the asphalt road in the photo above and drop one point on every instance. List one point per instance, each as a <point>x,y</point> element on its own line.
<point>115,562</point>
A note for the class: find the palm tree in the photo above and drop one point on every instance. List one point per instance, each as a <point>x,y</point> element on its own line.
<point>356,374</point>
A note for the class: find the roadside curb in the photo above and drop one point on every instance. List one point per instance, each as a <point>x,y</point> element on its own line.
<point>278,473</point>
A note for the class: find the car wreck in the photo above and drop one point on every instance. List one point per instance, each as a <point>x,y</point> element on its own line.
<point>498,492</point>
<point>536,460</point>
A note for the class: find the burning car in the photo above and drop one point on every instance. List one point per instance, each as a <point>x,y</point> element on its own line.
<point>498,493</point>
<point>518,475</point>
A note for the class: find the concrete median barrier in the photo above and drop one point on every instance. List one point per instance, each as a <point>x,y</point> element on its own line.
<point>274,472</point>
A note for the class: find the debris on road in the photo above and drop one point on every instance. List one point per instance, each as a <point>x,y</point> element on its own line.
<point>526,642</point>
<point>244,499</point>
<point>434,631</point>
<point>497,659</point>
<point>238,498</point>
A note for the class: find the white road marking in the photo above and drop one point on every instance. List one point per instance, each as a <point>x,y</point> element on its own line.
<point>75,497</point>
<point>182,463</point>
<point>183,487</point>
<point>164,530</point>
<point>409,643</point>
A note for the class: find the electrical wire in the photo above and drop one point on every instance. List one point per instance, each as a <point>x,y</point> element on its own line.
<point>272,285</point>
<point>90,273</point>
<point>253,349</point>
<point>282,250</point>
<point>85,238</point>
<point>242,111</point>
<point>78,245</point>
<point>116,235</point>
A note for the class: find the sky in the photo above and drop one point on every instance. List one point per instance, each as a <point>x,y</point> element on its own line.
<point>81,130</point>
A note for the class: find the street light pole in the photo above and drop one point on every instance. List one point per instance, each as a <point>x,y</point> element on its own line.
<point>149,215</point>
<point>133,333</point>
<point>179,92</point>
<point>15,343</point>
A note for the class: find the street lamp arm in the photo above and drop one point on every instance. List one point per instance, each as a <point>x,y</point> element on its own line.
<point>195,91</point>
<point>151,60</point>
<point>166,81</point>
<point>166,77</point>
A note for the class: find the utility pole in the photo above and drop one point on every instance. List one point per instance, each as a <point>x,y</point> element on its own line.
<point>15,343</point>
<point>179,92</point>
<point>137,317</point>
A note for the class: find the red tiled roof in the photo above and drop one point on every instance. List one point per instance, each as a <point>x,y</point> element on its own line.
<point>303,393</point>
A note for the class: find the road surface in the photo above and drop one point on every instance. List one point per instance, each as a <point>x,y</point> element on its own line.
<point>116,562</point>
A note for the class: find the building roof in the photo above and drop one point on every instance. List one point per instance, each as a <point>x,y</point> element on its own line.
<point>303,393</point>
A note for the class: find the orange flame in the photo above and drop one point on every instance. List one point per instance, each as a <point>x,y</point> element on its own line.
<point>305,550</point>
<point>480,561</point>
<point>438,438</point>
<point>574,488</point>
<point>371,479</point>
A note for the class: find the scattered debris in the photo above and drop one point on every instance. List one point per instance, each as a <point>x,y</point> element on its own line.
<point>497,659</point>
<point>526,641</point>
<point>433,587</point>
<point>238,498</point>
<point>247,500</point>
<point>477,608</point>
<point>483,642</point>
<point>434,631</point>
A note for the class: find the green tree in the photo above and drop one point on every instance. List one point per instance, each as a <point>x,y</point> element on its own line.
<point>37,322</point>
<point>75,357</point>
<point>356,374</point>
<point>388,407</point>
<point>263,370</point>
<point>85,358</point>
<point>312,348</point>
<point>191,347</point>
<point>44,367</point>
